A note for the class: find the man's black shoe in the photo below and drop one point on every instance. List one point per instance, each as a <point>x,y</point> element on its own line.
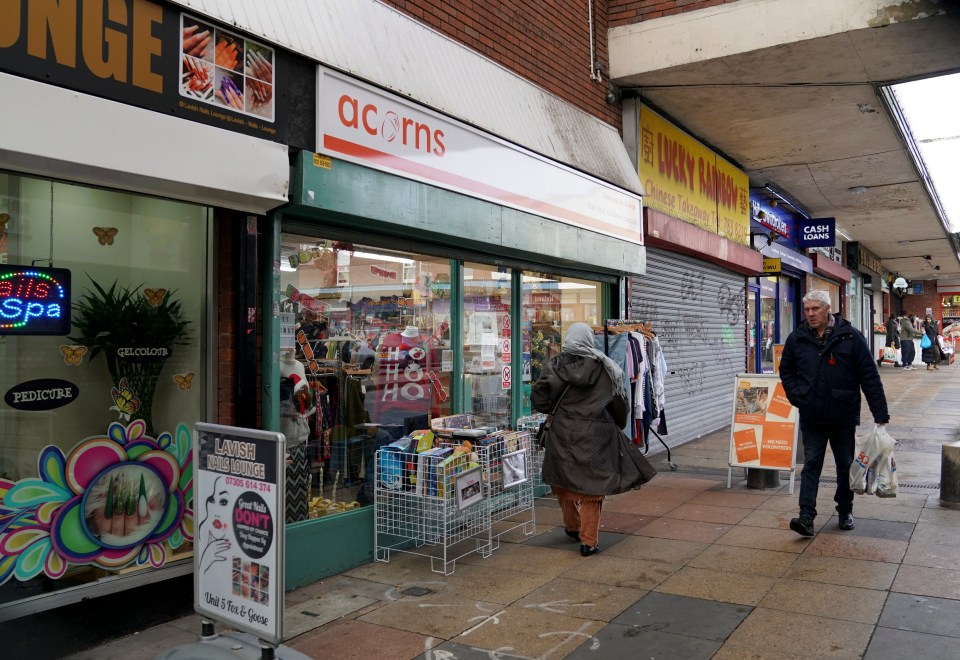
<point>802,525</point>
<point>846,521</point>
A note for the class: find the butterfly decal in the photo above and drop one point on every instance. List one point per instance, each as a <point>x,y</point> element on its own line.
<point>184,381</point>
<point>126,401</point>
<point>73,355</point>
<point>105,234</point>
<point>4,219</point>
<point>155,296</point>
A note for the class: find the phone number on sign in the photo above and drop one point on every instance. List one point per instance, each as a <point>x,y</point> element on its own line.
<point>262,486</point>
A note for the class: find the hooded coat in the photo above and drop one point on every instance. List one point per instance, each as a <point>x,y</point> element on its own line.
<point>824,382</point>
<point>582,451</point>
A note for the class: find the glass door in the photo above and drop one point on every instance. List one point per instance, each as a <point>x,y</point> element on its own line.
<point>487,373</point>
<point>753,329</point>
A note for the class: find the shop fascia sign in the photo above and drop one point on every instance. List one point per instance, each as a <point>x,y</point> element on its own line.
<point>151,56</point>
<point>684,179</point>
<point>770,219</point>
<point>860,258</point>
<point>366,125</point>
<point>788,257</point>
<point>816,232</point>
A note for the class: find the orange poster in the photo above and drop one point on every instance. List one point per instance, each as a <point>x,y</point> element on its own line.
<point>776,446</point>
<point>779,404</point>
<point>777,356</point>
<point>745,444</point>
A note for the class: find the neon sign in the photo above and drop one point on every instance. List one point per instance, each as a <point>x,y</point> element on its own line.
<point>34,301</point>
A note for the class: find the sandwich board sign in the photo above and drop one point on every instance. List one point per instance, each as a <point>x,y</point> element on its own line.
<point>763,434</point>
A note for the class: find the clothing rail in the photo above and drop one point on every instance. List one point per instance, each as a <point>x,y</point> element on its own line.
<point>618,326</point>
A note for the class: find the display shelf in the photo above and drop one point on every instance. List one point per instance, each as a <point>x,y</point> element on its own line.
<point>418,509</point>
<point>443,503</point>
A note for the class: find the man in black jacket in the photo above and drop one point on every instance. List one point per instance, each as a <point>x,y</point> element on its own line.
<point>825,364</point>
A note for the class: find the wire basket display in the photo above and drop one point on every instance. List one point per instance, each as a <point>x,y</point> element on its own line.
<point>530,424</point>
<point>453,499</point>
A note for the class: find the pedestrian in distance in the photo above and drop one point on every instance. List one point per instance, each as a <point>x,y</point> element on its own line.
<point>585,391</point>
<point>893,335</point>
<point>908,351</point>
<point>931,354</point>
<point>825,364</point>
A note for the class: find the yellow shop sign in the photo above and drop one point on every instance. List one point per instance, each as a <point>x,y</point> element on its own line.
<point>686,180</point>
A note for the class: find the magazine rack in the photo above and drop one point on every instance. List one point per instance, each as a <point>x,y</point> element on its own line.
<point>444,504</point>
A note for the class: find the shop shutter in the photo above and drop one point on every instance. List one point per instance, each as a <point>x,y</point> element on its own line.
<point>698,312</point>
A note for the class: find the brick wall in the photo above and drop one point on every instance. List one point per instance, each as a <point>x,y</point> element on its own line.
<point>918,304</point>
<point>548,43</point>
<point>625,12</point>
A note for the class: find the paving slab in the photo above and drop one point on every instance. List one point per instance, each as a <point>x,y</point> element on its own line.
<point>934,555</point>
<point>580,598</point>
<point>432,615</point>
<point>849,572</point>
<point>779,634</point>
<point>867,527</point>
<point>617,641</point>
<point>356,640</point>
<point>814,598</point>
<point>681,615</point>
<point>890,644</point>
<point>936,616</point>
<point>301,617</point>
<point>853,547</point>
<point>528,632</point>
<point>924,581</point>
<point>709,514</point>
<point>744,560</point>
<point>622,572</point>
<point>723,586</point>
<point>530,558</point>
<point>557,538</point>
<point>684,530</point>
<point>781,540</point>
<point>650,548</point>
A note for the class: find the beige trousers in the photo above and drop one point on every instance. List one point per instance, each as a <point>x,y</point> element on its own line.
<point>581,513</point>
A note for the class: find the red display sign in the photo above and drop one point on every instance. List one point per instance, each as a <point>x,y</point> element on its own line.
<point>34,301</point>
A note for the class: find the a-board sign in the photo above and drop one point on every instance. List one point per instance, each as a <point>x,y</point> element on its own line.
<point>777,356</point>
<point>238,545</point>
<point>764,429</point>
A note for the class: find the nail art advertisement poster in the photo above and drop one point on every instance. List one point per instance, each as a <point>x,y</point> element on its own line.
<point>239,518</point>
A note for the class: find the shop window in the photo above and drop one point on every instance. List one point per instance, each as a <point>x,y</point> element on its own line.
<point>487,342</point>
<point>362,364</point>
<point>550,304</point>
<point>106,410</point>
<point>768,322</point>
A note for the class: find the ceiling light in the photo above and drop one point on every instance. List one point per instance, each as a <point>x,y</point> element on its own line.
<point>857,190</point>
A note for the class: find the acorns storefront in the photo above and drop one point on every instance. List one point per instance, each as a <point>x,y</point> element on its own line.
<point>423,269</point>
<point>115,202</point>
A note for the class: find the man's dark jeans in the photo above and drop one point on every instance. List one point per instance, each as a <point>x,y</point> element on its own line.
<point>907,352</point>
<point>815,439</point>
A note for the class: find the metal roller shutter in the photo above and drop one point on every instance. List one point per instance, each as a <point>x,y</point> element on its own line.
<point>698,311</point>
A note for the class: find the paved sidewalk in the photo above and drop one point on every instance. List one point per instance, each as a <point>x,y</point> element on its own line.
<point>688,569</point>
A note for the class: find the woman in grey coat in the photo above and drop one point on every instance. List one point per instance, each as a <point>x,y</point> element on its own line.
<point>581,460</point>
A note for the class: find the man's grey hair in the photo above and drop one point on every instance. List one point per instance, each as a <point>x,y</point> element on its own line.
<point>819,296</point>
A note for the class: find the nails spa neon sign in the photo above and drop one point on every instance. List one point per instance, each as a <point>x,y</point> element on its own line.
<point>34,301</point>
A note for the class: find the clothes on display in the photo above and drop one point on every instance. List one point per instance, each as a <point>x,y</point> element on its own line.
<point>635,347</point>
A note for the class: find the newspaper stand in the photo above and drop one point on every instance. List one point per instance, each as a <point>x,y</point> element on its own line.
<point>507,473</point>
<point>418,511</point>
<point>445,507</point>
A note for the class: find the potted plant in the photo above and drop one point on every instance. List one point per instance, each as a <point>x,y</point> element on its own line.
<point>136,331</point>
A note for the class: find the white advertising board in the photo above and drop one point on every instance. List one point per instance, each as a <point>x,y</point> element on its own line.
<point>239,514</point>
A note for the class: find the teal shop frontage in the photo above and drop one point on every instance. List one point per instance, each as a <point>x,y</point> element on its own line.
<point>423,268</point>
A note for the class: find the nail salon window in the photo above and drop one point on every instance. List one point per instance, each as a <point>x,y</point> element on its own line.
<point>90,404</point>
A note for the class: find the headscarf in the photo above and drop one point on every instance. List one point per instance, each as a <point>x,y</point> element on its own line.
<point>579,341</point>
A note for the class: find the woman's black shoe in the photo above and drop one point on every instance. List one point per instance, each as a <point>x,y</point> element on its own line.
<point>586,550</point>
<point>574,535</point>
